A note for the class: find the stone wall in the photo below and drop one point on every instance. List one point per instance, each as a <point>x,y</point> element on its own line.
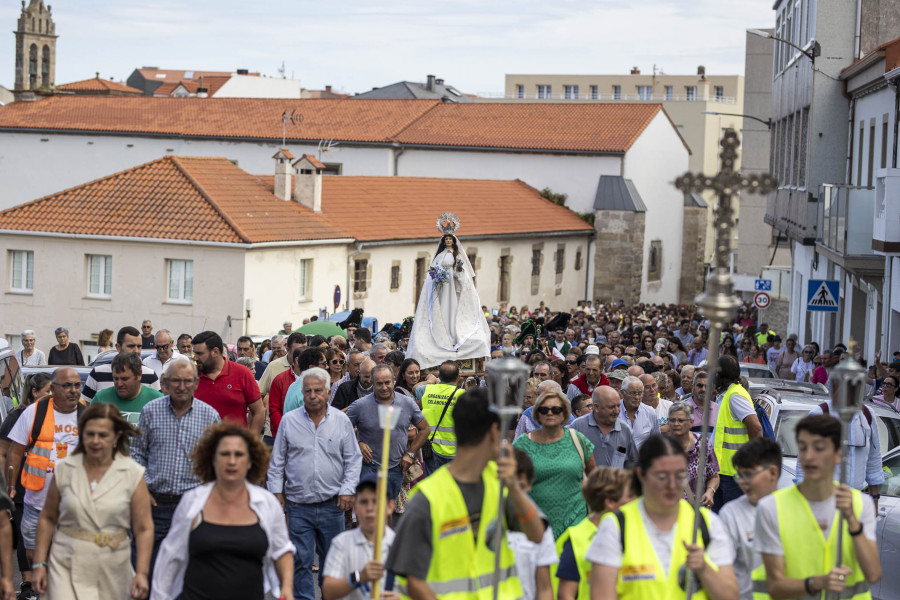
<point>619,258</point>
<point>693,245</point>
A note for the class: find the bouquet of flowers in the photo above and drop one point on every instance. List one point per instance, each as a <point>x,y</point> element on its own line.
<point>439,277</point>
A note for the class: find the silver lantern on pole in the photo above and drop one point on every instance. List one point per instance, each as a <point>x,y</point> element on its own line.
<point>506,389</point>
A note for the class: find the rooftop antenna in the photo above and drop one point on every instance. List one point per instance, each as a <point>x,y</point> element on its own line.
<point>281,70</point>
<point>293,117</point>
<point>325,146</point>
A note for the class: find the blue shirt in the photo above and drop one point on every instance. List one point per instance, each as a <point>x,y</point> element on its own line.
<point>166,443</point>
<point>312,464</point>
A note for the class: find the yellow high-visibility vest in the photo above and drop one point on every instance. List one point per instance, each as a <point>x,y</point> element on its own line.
<point>730,433</point>
<point>433,401</point>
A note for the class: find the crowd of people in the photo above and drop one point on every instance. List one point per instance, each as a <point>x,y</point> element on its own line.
<point>202,472</point>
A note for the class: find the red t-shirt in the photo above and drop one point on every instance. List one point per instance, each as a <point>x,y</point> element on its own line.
<point>230,393</point>
<point>277,392</point>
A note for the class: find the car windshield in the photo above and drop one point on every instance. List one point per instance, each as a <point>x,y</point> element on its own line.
<point>888,433</point>
<point>760,373</point>
<point>784,430</point>
<point>891,485</point>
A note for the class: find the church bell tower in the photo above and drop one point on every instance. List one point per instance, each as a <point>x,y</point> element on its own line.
<point>35,47</point>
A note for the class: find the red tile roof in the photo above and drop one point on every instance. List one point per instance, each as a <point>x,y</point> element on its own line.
<point>604,128</point>
<point>170,75</point>
<point>212,83</point>
<point>400,208</point>
<point>597,127</point>
<point>314,161</point>
<point>213,200</point>
<point>181,198</point>
<point>98,85</point>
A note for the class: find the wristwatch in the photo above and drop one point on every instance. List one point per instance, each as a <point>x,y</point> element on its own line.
<point>354,579</point>
<point>411,455</point>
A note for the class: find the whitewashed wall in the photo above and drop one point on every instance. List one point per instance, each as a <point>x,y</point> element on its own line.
<point>654,161</point>
<point>139,280</point>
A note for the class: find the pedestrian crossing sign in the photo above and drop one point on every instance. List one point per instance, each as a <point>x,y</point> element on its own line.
<point>823,295</point>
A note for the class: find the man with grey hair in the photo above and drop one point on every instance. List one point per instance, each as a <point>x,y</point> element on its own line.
<point>378,352</point>
<point>350,391</point>
<point>638,415</point>
<point>29,356</point>
<point>277,346</point>
<point>652,384</point>
<point>147,339</point>
<point>286,328</point>
<point>612,437</point>
<point>364,414</point>
<point>165,353</point>
<point>313,472</point>
<point>687,381</point>
<point>354,359</point>
<point>168,426</point>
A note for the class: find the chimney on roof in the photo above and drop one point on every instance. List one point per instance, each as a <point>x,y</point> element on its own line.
<point>308,182</point>
<point>243,71</point>
<point>283,160</point>
<point>701,71</point>
<point>202,92</point>
<point>438,81</point>
<point>635,70</point>
<point>429,84</point>
<point>328,89</point>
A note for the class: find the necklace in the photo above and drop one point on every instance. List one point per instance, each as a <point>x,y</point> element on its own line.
<point>94,485</point>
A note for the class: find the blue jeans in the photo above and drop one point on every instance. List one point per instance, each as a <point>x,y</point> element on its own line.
<point>29,525</point>
<point>728,491</point>
<point>311,528</point>
<point>394,481</point>
<point>436,462</point>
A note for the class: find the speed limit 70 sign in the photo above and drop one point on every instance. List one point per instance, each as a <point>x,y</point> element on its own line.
<point>762,300</point>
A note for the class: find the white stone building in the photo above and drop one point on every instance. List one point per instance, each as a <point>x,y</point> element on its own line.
<point>198,243</point>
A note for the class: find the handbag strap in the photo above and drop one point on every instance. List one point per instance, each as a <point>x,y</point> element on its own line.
<point>443,412</point>
<point>577,445</point>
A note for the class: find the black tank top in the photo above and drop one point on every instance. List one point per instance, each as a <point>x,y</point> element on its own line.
<point>225,562</point>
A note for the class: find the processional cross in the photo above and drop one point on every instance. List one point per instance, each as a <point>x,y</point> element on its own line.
<point>718,303</point>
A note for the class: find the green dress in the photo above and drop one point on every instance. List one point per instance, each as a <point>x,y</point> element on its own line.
<point>558,471</point>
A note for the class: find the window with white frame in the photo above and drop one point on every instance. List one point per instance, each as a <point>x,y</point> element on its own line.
<point>595,93</point>
<point>645,92</point>
<point>181,281</point>
<point>617,92</point>
<point>305,277</point>
<point>21,271</point>
<point>720,93</point>
<point>545,92</point>
<point>670,92</point>
<point>99,276</point>
<point>571,92</point>
<point>520,91</point>
<point>691,93</point>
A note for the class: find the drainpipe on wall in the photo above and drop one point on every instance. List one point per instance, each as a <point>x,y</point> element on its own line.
<point>858,29</point>
<point>350,273</point>
<point>589,270</point>
<point>398,152</point>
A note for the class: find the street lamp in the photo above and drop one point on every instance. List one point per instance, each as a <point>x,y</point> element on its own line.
<point>811,54</point>
<point>767,122</point>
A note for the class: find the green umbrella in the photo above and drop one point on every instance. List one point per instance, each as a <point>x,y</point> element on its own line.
<point>322,327</point>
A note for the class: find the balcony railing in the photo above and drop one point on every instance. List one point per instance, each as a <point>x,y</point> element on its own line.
<point>793,212</point>
<point>886,231</point>
<point>846,219</point>
<point>588,97</point>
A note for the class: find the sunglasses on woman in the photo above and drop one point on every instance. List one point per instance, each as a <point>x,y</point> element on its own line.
<point>546,410</point>
<point>337,362</point>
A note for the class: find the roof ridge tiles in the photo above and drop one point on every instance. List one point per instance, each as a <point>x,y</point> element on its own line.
<point>206,196</point>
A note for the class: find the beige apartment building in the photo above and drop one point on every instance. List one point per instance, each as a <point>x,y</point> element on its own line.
<point>701,106</point>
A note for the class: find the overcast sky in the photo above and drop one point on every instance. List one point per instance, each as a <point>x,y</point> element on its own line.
<point>354,45</point>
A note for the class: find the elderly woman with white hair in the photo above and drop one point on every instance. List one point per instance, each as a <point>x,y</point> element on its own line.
<point>29,356</point>
<point>313,471</point>
<point>562,457</point>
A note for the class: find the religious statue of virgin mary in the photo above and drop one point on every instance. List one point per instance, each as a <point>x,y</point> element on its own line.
<point>449,322</point>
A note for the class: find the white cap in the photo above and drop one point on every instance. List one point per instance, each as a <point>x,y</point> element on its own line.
<point>592,350</point>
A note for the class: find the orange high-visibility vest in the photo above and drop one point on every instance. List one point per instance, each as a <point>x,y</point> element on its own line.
<point>37,461</point>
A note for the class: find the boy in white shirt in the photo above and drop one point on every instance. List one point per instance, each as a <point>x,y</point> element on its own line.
<point>349,566</point>
<point>532,560</point>
<point>758,464</point>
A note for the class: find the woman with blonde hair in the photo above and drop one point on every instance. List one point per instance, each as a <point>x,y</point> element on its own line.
<point>561,457</point>
<point>604,491</point>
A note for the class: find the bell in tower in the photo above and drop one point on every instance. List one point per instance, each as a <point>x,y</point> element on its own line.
<point>35,47</point>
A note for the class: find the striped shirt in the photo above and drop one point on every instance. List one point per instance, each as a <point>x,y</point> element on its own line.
<point>101,377</point>
<point>169,467</point>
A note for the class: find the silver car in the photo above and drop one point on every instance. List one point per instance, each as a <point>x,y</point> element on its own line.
<point>785,408</point>
<point>887,529</point>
